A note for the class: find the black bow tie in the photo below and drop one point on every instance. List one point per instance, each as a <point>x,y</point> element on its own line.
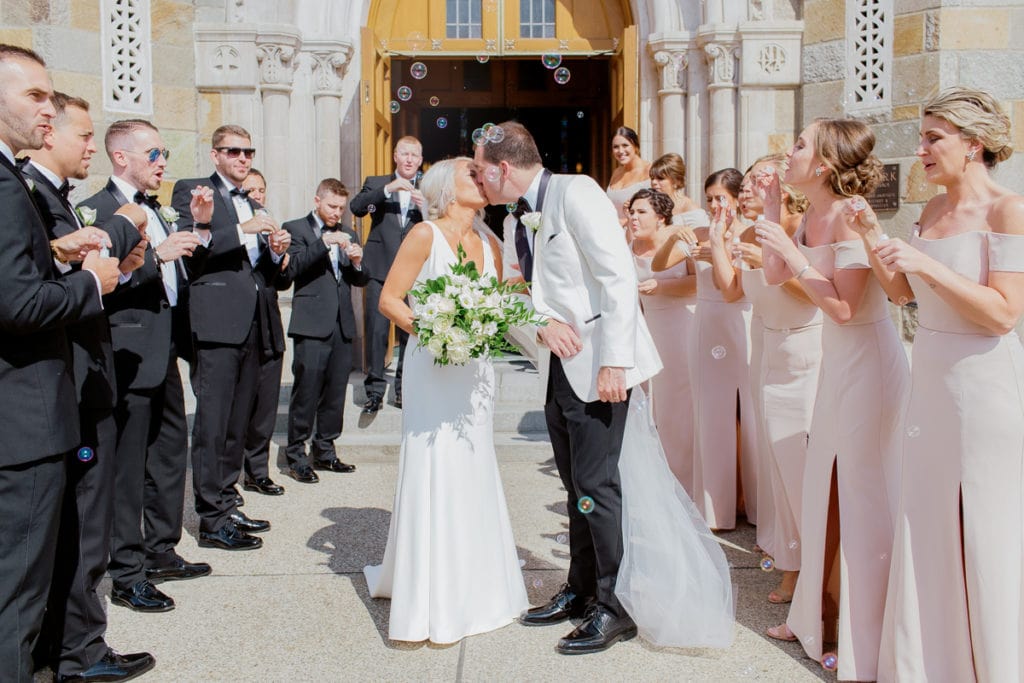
<point>239,192</point>
<point>143,198</point>
<point>522,207</point>
<point>63,190</point>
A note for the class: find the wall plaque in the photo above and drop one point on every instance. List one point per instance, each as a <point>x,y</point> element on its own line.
<point>886,196</point>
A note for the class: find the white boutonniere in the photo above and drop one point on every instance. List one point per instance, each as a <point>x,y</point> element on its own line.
<point>31,184</point>
<point>86,215</point>
<point>532,220</point>
<point>169,214</point>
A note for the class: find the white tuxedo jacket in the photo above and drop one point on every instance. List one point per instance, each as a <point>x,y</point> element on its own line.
<point>583,274</point>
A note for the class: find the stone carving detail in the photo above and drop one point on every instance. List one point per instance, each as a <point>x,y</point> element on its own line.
<point>328,70</point>
<point>276,63</point>
<point>869,37</point>
<point>721,59</point>
<point>127,56</point>
<point>225,59</point>
<point>435,44</point>
<point>491,45</point>
<point>236,12</point>
<point>563,44</point>
<point>672,66</point>
<point>510,44</point>
<point>757,10</point>
<point>772,58</point>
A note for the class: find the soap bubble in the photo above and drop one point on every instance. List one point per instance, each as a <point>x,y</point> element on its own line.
<point>434,101</point>
<point>562,538</point>
<point>585,505</point>
<point>719,352</point>
<point>562,75</point>
<point>418,70</point>
<point>395,106</point>
<point>913,431</point>
<point>829,661</point>
<point>371,208</point>
<point>405,93</point>
<point>495,134</point>
<point>85,454</point>
<point>552,61</point>
<point>442,122</point>
<point>479,136</point>
<point>483,59</point>
<point>767,564</point>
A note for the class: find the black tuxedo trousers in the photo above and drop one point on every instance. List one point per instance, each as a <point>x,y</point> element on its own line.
<point>587,439</point>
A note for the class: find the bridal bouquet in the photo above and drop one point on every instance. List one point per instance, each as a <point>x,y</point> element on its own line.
<point>461,315</point>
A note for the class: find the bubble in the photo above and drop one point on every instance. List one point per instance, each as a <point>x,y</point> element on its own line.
<point>511,206</point>
<point>483,59</point>
<point>492,174</point>
<point>479,136</point>
<point>585,505</point>
<point>495,134</point>
<point>442,122</point>
<point>417,41</point>
<point>858,204</point>
<point>829,661</point>
<point>883,557</point>
<point>718,352</point>
<point>579,114</point>
<point>85,454</point>
<point>538,583</point>
<point>434,101</point>
<point>405,93</point>
<point>767,564</point>
<point>562,538</point>
<point>371,208</point>
<point>418,70</point>
<point>562,75</point>
<point>793,545</point>
<point>552,61</point>
<point>913,431</point>
<point>395,106</point>
<point>883,238</point>
<point>522,563</point>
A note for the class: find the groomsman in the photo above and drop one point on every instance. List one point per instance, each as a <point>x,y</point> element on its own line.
<point>232,321</point>
<point>149,332</point>
<point>72,640</point>
<point>395,204</point>
<point>326,261</point>
<point>38,406</point>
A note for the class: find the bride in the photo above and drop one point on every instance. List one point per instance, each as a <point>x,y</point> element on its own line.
<point>450,566</point>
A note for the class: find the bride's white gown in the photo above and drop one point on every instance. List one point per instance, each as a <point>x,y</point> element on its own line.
<point>450,566</point>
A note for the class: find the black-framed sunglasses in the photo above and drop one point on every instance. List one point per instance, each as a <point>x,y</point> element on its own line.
<point>153,154</point>
<point>234,152</point>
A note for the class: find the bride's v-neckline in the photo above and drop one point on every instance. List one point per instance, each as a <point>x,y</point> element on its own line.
<point>454,252</point>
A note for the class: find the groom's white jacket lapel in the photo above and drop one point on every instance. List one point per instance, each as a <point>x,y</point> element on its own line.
<point>583,274</point>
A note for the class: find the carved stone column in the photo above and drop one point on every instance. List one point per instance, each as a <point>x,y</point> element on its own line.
<point>276,52</point>
<point>721,62</point>
<point>672,65</point>
<point>329,62</point>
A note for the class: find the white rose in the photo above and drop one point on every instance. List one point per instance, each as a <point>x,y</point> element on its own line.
<point>436,347</point>
<point>446,306</point>
<point>87,215</point>
<point>467,300</point>
<point>441,325</point>
<point>476,326</point>
<point>169,214</point>
<point>435,299</point>
<point>458,336</point>
<point>532,220</point>
<point>490,329</point>
<point>451,291</point>
<point>459,354</point>
<point>493,300</point>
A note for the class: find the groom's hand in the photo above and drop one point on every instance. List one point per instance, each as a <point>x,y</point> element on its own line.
<point>611,384</point>
<point>561,338</point>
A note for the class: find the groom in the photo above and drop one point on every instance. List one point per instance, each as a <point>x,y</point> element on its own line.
<point>594,348</point>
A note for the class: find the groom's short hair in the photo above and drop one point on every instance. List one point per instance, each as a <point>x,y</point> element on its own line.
<point>517,147</point>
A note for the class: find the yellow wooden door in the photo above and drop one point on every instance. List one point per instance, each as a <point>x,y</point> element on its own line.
<point>375,109</point>
<point>625,81</point>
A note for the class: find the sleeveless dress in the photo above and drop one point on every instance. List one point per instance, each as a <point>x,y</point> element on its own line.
<point>623,194</point>
<point>787,383</point>
<point>719,359</point>
<point>863,381</point>
<point>669,319</point>
<point>450,566</point>
<point>955,610</point>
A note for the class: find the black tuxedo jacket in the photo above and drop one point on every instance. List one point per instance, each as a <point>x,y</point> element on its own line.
<point>92,352</point>
<point>38,405</point>
<point>386,227</point>
<point>227,292</point>
<point>141,321</point>
<point>320,302</point>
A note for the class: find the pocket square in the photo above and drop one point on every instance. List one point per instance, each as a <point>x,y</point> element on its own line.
<point>551,237</point>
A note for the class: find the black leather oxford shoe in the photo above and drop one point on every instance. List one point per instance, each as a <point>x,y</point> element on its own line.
<point>113,667</point>
<point>564,605</point>
<point>303,474</point>
<point>599,631</point>
<point>249,526</point>
<point>264,485</point>
<point>229,537</point>
<point>177,569</point>
<point>373,404</point>
<point>143,596</point>
<point>334,465</point>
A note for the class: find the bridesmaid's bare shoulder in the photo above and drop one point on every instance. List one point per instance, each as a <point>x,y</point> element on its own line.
<point>1007,214</point>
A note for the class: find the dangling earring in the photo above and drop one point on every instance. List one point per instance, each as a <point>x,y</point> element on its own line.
<point>818,171</point>
<point>970,155</point>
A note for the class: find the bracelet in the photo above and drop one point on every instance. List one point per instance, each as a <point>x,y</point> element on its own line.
<point>800,273</point>
<point>57,253</point>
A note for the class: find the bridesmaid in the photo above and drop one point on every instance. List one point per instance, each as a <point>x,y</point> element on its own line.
<point>787,379</point>
<point>846,521</point>
<point>954,608</point>
<point>632,174</point>
<point>719,358</point>
<point>666,298</point>
<point>668,175</point>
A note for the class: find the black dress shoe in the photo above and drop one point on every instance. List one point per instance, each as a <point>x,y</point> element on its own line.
<point>250,526</point>
<point>229,537</point>
<point>239,501</point>
<point>564,605</point>
<point>143,596</point>
<point>373,404</point>
<point>113,667</point>
<point>264,485</point>
<point>333,466</point>
<point>177,570</point>
<point>599,631</point>
<point>398,402</point>
<point>304,474</point>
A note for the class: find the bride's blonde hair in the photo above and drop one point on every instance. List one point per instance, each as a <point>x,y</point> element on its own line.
<point>438,186</point>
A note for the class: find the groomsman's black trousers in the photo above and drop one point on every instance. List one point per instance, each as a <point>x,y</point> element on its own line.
<point>321,368</point>
<point>263,418</point>
<point>30,500</point>
<point>377,328</point>
<point>586,439</point>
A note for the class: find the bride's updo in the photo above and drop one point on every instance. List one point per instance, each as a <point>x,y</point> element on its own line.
<point>438,187</point>
<point>845,147</point>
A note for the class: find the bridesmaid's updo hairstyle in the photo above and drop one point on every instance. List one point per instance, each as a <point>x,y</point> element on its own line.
<point>670,167</point>
<point>629,134</point>
<point>794,199</point>
<point>729,178</point>
<point>845,147</point>
<point>438,186</point>
<point>660,202</point>
<point>978,117</point>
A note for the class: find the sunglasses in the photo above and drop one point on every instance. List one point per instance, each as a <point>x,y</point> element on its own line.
<point>153,154</point>
<point>234,152</point>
